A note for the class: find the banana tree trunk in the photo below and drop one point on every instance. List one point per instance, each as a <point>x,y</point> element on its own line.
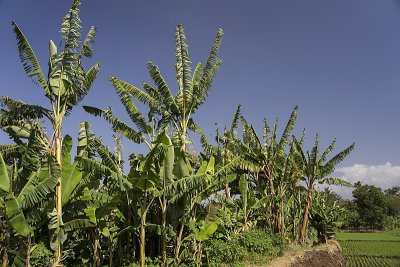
<point>96,248</point>
<point>179,244</point>
<point>281,219</point>
<point>305,214</point>
<point>143,240</point>
<point>274,208</point>
<point>58,148</point>
<point>110,252</point>
<point>199,254</point>
<point>5,254</point>
<point>5,258</point>
<point>293,211</point>
<point>164,232</point>
<point>28,252</point>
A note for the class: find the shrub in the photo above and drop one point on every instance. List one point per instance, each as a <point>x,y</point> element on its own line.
<point>221,251</point>
<point>259,241</point>
<point>254,246</point>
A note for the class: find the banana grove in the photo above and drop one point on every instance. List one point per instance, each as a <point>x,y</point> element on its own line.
<point>66,202</point>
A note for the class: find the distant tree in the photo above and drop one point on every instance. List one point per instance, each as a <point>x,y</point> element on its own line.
<point>393,198</point>
<point>372,205</point>
<point>351,218</point>
<point>393,191</point>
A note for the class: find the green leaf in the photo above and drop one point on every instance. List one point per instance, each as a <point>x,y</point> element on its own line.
<point>71,173</point>
<point>16,216</point>
<point>91,214</point>
<point>4,179</point>
<point>34,191</point>
<point>243,188</point>
<point>29,61</point>
<point>78,224</point>
<point>86,49</point>
<point>207,230</point>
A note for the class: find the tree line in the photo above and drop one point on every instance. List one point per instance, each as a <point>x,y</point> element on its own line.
<point>371,208</point>
<point>172,205</point>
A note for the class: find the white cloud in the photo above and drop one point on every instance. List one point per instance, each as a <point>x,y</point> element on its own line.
<point>383,176</point>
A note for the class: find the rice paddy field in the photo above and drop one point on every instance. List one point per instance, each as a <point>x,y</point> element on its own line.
<point>371,249</point>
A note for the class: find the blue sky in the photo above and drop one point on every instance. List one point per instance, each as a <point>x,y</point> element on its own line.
<point>338,60</point>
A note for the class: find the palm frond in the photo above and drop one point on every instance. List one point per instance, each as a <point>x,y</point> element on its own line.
<point>313,157</point>
<point>185,185</point>
<point>88,80</point>
<point>86,49</point>
<point>108,159</point>
<point>7,149</point>
<point>212,57</point>
<point>34,191</point>
<point>85,140</point>
<point>29,61</point>
<point>4,178</point>
<point>210,69</point>
<point>25,110</point>
<point>71,27</point>
<point>118,126</point>
<point>16,217</point>
<point>203,139</point>
<point>183,69</point>
<point>101,169</point>
<point>235,119</point>
<point>167,97</point>
<point>329,167</point>
<point>201,92</point>
<point>334,181</point>
<point>327,151</point>
<point>133,112</point>
<point>288,129</point>
<point>302,159</point>
<point>266,131</point>
<point>197,74</point>
<point>78,224</point>
<point>134,91</point>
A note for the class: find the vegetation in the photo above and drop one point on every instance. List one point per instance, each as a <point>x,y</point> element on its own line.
<point>243,198</point>
<point>371,208</point>
<point>371,249</point>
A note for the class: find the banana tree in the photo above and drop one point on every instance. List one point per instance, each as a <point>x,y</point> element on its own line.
<point>316,167</point>
<point>265,160</point>
<point>186,194</point>
<point>249,202</point>
<point>66,85</point>
<point>23,200</point>
<point>193,87</point>
<point>324,217</point>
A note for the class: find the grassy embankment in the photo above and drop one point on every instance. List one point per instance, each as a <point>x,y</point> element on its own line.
<point>370,249</point>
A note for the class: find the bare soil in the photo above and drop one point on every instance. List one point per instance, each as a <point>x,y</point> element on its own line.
<point>328,255</point>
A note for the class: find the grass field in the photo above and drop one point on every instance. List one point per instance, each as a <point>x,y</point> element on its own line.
<point>371,249</point>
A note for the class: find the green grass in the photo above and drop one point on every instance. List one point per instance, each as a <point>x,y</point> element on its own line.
<point>393,235</point>
<point>371,249</point>
<point>356,261</point>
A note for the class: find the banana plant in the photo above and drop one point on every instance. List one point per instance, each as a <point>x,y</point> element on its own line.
<point>186,193</point>
<point>324,217</point>
<point>193,87</point>
<point>316,168</point>
<point>67,83</point>
<point>202,229</point>
<point>264,159</point>
<point>249,202</point>
<point>21,203</point>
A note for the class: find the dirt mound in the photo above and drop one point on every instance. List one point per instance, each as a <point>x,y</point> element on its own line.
<point>329,255</point>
